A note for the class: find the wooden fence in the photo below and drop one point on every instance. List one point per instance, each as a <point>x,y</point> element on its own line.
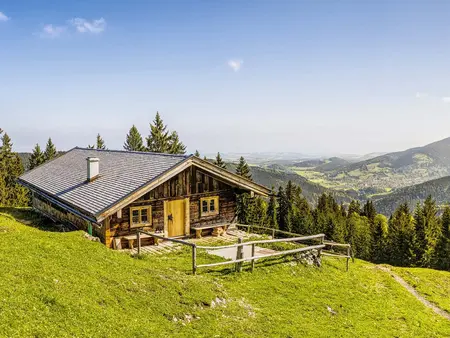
<point>240,247</point>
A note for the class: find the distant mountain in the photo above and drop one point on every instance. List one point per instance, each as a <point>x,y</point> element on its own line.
<point>439,189</point>
<point>395,170</point>
<point>323,164</point>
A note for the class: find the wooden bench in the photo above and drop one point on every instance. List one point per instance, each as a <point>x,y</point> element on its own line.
<point>130,239</point>
<point>218,229</point>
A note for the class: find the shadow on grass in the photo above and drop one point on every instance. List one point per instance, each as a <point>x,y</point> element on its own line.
<point>31,218</point>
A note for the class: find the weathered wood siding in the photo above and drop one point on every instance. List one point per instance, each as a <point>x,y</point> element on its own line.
<point>59,214</point>
<point>191,183</point>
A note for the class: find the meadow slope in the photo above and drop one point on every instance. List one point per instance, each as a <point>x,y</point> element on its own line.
<point>60,284</point>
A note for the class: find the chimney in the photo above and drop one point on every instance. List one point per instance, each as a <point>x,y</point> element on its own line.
<point>92,168</point>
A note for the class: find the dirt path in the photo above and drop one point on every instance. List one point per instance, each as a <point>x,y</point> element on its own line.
<point>413,291</point>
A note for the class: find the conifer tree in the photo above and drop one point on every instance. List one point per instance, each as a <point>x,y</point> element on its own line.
<point>283,211</point>
<point>36,158</point>
<point>401,237</point>
<point>175,145</point>
<point>158,140</point>
<point>243,169</point>
<point>432,230</point>
<point>354,207</point>
<point>272,211</point>
<point>100,143</point>
<point>220,162</point>
<point>441,257</point>
<point>380,236</point>
<point>420,245</point>
<point>11,167</point>
<point>369,211</point>
<point>197,153</point>
<point>133,141</point>
<point>50,151</point>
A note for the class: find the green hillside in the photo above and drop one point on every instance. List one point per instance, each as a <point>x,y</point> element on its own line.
<point>62,285</point>
<point>279,177</point>
<point>439,189</point>
<point>392,170</point>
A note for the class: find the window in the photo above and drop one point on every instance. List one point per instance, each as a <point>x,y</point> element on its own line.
<point>209,206</point>
<point>140,216</point>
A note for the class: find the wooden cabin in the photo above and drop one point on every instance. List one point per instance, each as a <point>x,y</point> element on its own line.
<point>110,194</point>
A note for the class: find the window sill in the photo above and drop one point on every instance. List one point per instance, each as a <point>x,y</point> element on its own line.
<point>140,225</point>
<point>209,214</point>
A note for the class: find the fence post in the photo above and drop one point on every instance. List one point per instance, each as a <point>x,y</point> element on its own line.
<point>273,233</point>
<point>253,255</point>
<point>194,259</point>
<point>239,255</point>
<point>348,256</point>
<point>138,234</point>
<point>319,252</point>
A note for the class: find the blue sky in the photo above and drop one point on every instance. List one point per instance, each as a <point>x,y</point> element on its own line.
<point>321,77</point>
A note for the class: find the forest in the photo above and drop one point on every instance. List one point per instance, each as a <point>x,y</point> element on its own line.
<point>410,238</point>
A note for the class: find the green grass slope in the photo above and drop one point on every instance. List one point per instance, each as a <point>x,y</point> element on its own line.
<point>433,285</point>
<point>61,285</point>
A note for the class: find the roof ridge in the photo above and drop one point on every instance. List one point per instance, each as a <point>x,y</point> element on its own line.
<point>135,152</point>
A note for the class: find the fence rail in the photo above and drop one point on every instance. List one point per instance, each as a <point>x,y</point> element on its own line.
<point>240,247</point>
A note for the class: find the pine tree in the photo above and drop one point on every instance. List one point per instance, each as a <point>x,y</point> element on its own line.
<point>380,235</point>
<point>175,145</point>
<point>243,169</point>
<point>220,162</point>
<point>369,211</point>
<point>11,167</point>
<point>432,230</point>
<point>401,237</point>
<point>158,140</point>
<point>36,158</point>
<point>133,141</point>
<point>420,246</point>
<point>283,211</point>
<point>50,151</point>
<point>354,207</point>
<point>272,211</point>
<point>441,256</point>
<point>100,143</point>
<point>197,154</point>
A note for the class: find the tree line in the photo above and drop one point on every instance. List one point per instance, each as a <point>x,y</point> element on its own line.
<point>418,238</point>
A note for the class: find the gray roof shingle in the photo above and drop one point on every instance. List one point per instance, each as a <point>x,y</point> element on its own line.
<point>121,173</point>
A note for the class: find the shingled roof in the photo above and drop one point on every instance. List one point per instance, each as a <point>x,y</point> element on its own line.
<point>121,173</point>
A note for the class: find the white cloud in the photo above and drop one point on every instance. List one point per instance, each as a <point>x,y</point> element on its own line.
<point>85,26</point>
<point>446,99</point>
<point>3,17</point>
<point>235,64</point>
<point>51,31</point>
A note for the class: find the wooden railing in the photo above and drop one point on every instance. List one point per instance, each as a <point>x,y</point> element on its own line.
<point>240,248</point>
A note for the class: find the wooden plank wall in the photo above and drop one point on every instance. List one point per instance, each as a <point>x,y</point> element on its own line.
<point>192,183</point>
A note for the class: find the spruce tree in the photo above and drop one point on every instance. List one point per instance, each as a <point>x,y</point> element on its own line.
<point>50,151</point>
<point>432,230</point>
<point>441,256</point>
<point>354,207</point>
<point>380,236</point>
<point>283,211</point>
<point>420,246</point>
<point>158,140</point>
<point>11,193</point>
<point>175,145</point>
<point>272,211</point>
<point>133,141</point>
<point>100,143</point>
<point>402,237</point>
<point>369,211</point>
<point>243,169</point>
<point>36,158</point>
<point>220,162</point>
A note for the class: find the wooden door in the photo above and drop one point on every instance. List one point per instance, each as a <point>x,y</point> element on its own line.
<point>176,217</point>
